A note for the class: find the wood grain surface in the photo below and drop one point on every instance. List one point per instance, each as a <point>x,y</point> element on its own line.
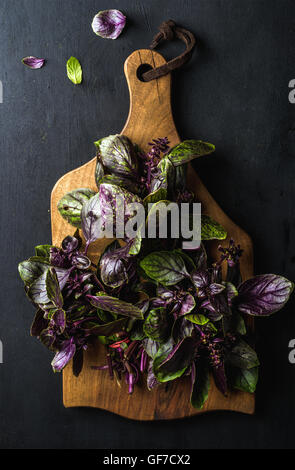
<point>150,116</point>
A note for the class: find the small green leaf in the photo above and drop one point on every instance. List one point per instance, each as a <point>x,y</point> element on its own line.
<point>108,329</point>
<point>166,267</point>
<point>70,206</point>
<point>157,196</point>
<point>74,71</point>
<point>212,230</point>
<point>172,361</point>
<point>198,319</point>
<point>189,150</point>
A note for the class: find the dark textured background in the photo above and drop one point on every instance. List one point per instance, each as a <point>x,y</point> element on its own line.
<point>233,93</point>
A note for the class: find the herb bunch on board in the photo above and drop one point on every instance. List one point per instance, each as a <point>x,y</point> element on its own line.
<point>162,312</point>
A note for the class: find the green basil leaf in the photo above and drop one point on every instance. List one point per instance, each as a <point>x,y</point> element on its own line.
<point>201,386</point>
<point>189,150</point>
<point>156,325</point>
<point>165,178</point>
<point>212,230</point>
<point>70,206</point>
<point>245,379</point>
<point>157,196</point>
<point>243,356</point>
<point>121,181</point>
<point>43,251</point>
<point>151,347</point>
<point>170,363</point>
<point>114,305</point>
<point>165,267</point>
<point>198,319</point>
<point>74,71</point>
<point>38,292</point>
<point>117,155</point>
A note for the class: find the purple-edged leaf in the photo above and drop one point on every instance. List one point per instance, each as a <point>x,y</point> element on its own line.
<point>70,206</point>
<point>188,304</point>
<point>53,289</point>
<point>48,337</point>
<point>109,24</point>
<point>169,364</point>
<point>264,295</point>
<point>62,276</point>
<point>165,267</point>
<point>117,155</point>
<point>108,329</point>
<point>38,292</point>
<point>181,329</point>
<point>58,320</point>
<point>114,305</point>
<point>30,271</point>
<point>91,219</point>
<point>33,62</point>
<point>63,357</point>
<point>200,384</point>
<point>39,324</point>
<point>81,262</point>
<point>189,150</point>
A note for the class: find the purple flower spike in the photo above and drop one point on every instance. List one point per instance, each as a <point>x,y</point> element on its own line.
<point>33,62</point>
<point>109,24</point>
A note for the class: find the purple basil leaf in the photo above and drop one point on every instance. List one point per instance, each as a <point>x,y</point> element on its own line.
<point>48,337</point>
<point>58,320</point>
<point>38,292</point>
<point>63,357</point>
<point>220,378</point>
<point>91,219</point>
<point>117,155</point>
<point>81,262</point>
<point>70,244</point>
<point>264,295</point>
<point>53,289</point>
<point>188,304</point>
<point>39,324</point>
<point>114,267</point>
<point>201,280</point>
<point>62,276</point>
<point>114,305</point>
<point>216,289</point>
<point>109,24</point>
<point>33,62</point>
<point>181,329</point>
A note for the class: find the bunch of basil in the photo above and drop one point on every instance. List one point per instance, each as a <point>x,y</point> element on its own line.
<point>161,312</point>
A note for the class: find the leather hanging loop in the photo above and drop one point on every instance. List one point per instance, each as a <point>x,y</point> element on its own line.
<point>168,32</point>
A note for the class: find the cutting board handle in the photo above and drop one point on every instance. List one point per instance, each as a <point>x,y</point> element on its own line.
<point>150,114</point>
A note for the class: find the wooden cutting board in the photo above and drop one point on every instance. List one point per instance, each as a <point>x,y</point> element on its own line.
<point>150,117</point>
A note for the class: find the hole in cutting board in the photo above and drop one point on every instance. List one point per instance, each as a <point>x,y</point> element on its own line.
<point>143,68</point>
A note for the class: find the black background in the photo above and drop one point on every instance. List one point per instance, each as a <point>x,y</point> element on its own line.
<point>233,93</point>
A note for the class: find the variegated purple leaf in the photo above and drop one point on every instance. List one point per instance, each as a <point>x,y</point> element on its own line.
<point>33,62</point>
<point>63,357</point>
<point>109,24</point>
<point>264,295</point>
